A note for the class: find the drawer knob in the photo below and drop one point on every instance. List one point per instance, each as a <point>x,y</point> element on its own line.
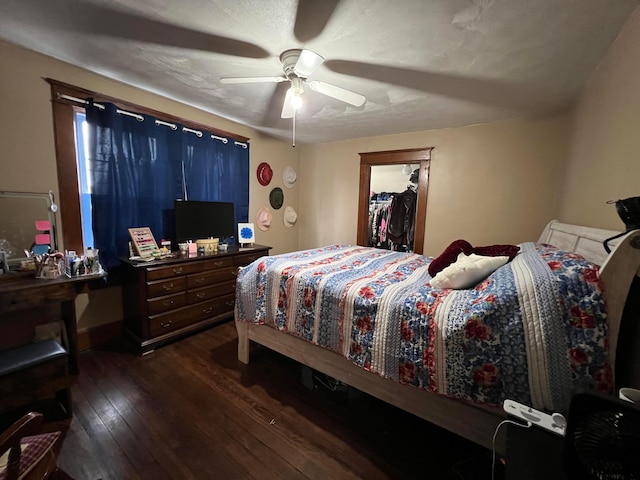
<point>218,263</point>
<point>201,295</point>
<point>230,303</point>
<point>200,281</point>
<point>168,302</point>
<point>168,286</point>
<point>165,324</point>
<point>177,270</point>
<point>207,310</point>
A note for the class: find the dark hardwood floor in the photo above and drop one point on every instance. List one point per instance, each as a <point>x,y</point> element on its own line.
<point>190,410</point>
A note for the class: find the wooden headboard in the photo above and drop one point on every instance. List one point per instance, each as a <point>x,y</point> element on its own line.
<point>585,241</point>
<point>617,271</point>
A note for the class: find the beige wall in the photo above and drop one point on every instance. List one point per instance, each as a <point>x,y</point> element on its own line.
<point>27,160</point>
<point>604,156</point>
<point>493,183</point>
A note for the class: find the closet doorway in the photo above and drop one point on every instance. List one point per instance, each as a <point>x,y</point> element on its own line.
<point>398,158</point>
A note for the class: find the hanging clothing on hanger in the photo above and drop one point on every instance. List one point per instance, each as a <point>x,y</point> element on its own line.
<point>401,220</point>
<point>378,213</point>
<point>379,206</point>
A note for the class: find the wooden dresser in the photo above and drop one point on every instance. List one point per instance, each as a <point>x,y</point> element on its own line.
<point>165,299</point>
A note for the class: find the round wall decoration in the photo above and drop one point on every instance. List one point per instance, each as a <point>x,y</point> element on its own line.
<point>290,216</point>
<point>263,219</point>
<point>289,177</point>
<point>276,198</point>
<point>264,173</point>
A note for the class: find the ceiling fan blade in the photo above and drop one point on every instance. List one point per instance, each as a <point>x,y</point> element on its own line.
<point>74,16</point>
<point>231,80</point>
<point>312,17</point>
<point>307,63</point>
<point>338,93</point>
<point>271,117</point>
<point>288,107</point>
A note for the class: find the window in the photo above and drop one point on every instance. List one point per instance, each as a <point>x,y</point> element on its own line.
<point>73,174</point>
<point>84,179</point>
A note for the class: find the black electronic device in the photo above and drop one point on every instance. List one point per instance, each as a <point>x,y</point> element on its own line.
<point>629,212</point>
<point>602,440</point>
<point>196,220</point>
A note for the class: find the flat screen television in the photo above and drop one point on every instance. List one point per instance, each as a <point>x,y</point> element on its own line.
<point>196,220</point>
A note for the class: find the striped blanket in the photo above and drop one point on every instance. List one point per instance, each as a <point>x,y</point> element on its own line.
<point>532,331</point>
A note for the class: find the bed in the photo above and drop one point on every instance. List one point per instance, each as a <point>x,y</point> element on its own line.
<point>535,329</point>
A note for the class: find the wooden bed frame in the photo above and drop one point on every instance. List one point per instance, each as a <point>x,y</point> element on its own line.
<point>474,422</point>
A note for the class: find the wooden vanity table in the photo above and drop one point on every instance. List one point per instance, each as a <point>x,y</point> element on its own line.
<point>38,370</point>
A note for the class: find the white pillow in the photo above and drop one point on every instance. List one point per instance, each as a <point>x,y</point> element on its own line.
<point>467,271</point>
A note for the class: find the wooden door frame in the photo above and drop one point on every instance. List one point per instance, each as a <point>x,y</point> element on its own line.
<point>394,157</point>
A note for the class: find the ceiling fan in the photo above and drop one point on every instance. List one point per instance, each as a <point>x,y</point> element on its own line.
<point>298,65</point>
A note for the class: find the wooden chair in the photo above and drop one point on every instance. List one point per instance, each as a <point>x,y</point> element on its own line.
<point>28,454</point>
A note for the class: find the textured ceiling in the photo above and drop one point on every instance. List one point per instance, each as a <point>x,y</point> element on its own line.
<point>421,64</point>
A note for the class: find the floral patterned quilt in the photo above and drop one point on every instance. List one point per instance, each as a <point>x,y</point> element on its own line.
<point>532,331</point>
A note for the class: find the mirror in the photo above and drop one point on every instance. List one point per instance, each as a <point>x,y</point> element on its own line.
<point>19,212</point>
<point>393,159</point>
<point>388,182</point>
<point>392,178</point>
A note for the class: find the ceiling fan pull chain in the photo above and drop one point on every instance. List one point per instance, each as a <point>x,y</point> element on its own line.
<point>294,128</point>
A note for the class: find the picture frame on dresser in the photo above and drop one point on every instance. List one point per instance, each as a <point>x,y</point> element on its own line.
<point>143,241</point>
<point>165,299</point>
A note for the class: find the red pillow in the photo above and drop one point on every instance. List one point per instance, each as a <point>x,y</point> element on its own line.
<point>449,256</point>
<point>451,253</point>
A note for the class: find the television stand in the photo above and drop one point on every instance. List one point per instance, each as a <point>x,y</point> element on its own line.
<point>172,297</point>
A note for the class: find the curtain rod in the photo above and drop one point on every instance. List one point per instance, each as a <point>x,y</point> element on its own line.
<point>137,116</point>
<point>140,118</point>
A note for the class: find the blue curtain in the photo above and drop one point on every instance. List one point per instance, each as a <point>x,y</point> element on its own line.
<point>136,171</point>
<point>218,171</point>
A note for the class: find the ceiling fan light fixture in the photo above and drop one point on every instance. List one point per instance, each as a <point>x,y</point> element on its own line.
<point>307,63</point>
<point>296,90</point>
<point>297,102</point>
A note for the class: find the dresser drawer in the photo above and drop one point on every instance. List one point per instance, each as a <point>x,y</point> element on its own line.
<point>210,277</point>
<point>165,323</point>
<point>205,293</point>
<point>169,321</point>
<point>247,258</point>
<point>155,273</point>
<point>168,302</point>
<point>218,263</point>
<point>182,317</point>
<point>226,304</point>
<point>160,288</point>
